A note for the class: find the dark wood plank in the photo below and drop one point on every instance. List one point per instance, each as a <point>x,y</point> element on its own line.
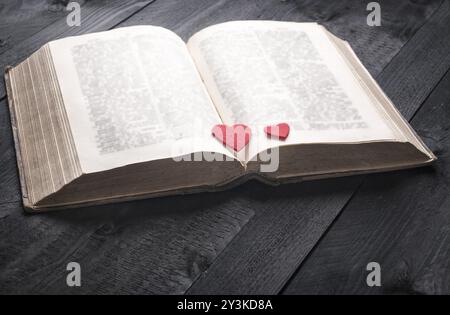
<point>400,220</point>
<point>424,59</point>
<point>262,269</point>
<point>163,245</point>
<point>375,46</point>
<point>19,20</point>
<point>96,15</point>
<point>9,188</point>
<point>325,261</point>
<point>143,247</point>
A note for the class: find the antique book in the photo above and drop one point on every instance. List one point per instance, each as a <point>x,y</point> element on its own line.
<point>128,113</point>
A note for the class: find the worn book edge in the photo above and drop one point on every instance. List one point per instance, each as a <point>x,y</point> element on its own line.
<point>372,88</point>
<point>219,187</point>
<point>11,105</point>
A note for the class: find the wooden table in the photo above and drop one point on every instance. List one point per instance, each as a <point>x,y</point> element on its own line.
<point>315,237</point>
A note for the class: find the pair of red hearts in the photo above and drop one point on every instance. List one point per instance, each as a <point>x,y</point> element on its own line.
<point>238,136</point>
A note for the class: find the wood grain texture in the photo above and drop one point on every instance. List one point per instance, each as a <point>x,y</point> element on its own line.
<point>400,220</point>
<point>253,237</point>
<point>21,19</point>
<point>425,58</point>
<point>9,179</point>
<point>265,271</point>
<point>96,15</point>
<point>375,46</point>
<point>143,247</point>
<point>410,204</point>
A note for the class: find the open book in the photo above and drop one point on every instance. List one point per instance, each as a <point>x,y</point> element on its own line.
<point>128,113</point>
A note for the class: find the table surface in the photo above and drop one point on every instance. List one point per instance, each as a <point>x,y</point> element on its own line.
<point>314,237</point>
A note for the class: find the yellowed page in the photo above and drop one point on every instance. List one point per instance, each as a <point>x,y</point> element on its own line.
<point>263,72</point>
<point>133,95</point>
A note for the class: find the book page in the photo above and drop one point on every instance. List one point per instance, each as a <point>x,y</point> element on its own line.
<point>262,72</point>
<point>133,95</point>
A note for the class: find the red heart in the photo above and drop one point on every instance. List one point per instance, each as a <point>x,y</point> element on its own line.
<point>280,131</point>
<point>235,137</point>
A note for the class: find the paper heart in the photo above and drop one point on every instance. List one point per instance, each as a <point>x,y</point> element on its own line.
<point>280,131</point>
<point>235,137</point>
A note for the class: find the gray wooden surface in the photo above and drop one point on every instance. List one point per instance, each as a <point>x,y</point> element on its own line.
<point>312,237</point>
